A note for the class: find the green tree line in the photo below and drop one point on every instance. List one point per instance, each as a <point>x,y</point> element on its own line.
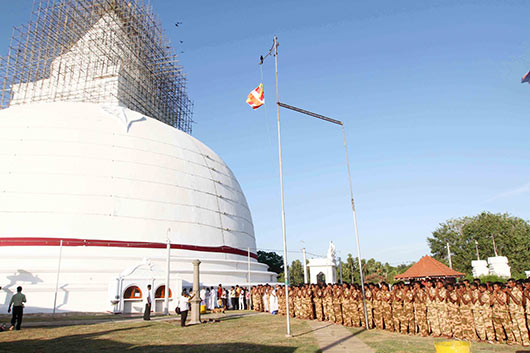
<point>467,234</point>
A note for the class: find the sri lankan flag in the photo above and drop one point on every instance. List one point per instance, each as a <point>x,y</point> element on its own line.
<point>256,98</point>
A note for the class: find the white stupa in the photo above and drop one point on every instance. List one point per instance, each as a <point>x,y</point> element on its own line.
<point>83,164</point>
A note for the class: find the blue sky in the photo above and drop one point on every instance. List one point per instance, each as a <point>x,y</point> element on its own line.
<point>429,91</point>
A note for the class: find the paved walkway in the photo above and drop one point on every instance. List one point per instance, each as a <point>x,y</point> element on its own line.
<point>335,338</point>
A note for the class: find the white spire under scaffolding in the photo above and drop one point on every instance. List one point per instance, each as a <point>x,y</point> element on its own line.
<point>99,51</point>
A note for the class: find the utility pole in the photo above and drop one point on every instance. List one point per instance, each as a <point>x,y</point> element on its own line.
<point>494,245</point>
<point>449,255</point>
<point>476,248</point>
<point>340,270</point>
<point>305,266</point>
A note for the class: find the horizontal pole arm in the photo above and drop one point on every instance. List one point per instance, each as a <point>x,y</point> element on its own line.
<point>307,112</point>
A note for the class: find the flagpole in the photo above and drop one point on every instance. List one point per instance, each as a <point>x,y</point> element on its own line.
<point>356,231</point>
<point>338,122</point>
<point>285,268</point>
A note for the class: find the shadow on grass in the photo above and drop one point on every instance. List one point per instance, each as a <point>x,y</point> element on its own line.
<point>91,342</point>
<point>331,345</point>
<point>313,330</point>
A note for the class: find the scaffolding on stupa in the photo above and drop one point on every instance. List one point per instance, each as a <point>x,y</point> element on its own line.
<point>99,51</point>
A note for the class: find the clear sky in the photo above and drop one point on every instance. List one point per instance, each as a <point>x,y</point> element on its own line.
<point>429,91</point>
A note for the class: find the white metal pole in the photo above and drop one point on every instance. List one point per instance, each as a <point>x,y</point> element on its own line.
<point>168,263</point>
<point>494,245</point>
<point>449,255</point>
<point>356,231</point>
<point>286,269</point>
<point>248,278</point>
<point>57,279</point>
<point>340,270</point>
<point>305,266</point>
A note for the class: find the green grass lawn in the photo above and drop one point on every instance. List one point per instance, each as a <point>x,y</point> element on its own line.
<point>258,333</point>
<point>390,342</point>
<point>252,333</point>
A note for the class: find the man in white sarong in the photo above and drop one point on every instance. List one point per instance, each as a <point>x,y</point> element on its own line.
<point>202,294</point>
<point>273,302</point>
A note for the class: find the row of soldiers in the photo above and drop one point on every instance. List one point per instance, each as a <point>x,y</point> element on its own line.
<point>466,310</point>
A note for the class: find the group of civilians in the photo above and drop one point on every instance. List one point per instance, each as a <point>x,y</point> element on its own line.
<point>233,298</point>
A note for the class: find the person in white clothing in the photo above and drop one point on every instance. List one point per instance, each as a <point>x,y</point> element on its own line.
<point>213,298</point>
<point>207,298</point>
<point>184,306</point>
<point>148,301</point>
<point>242,299</point>
<point>202,295</point>
<point>273,306</point>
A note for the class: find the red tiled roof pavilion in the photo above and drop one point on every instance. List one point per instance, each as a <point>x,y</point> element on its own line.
<point>428,267</point>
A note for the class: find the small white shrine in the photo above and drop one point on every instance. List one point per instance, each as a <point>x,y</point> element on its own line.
<point>324,269</point>
<point>496,265</point>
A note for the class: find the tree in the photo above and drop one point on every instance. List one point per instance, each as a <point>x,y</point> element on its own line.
<point>296,274</point>
<point>373,271</point>
<point>511,234</point>
<point>272,259</point>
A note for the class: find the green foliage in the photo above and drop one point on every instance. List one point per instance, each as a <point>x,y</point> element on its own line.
<point>296,274</point>
<point>488,278</point>
<point>512,237</point>
<point>272,259</point>
<point>374,271</point>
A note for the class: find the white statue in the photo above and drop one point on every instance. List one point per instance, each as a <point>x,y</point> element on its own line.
<point>331,252</point>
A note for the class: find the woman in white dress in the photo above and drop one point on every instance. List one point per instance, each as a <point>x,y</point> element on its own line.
<point>212,299</point>
<point>273,302</point>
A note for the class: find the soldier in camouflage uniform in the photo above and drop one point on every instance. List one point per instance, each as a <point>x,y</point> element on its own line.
<point>355,299</point>
<point>420,309</point>
<point>432,312</point>
<point>453,314</point>
<point>466,313</point>
<point>309,313</point>
<point>516,309</point>
<point>280,293</point>
<point>501,318</point>
<point>347,306</point>
<point>441,308</point>
<point>476,307</point>
<point>318,303</point>
<point>386,297</point>
<point>297,303</point>
<point>408,325</point>
<point>378,307</point>
<point>486,315</point>
<point>328,304</point>
<point>337,304</point>
<point>360,306</point>
<point>397,306</point>
<point>292,294</point>
<point>369,303</point>
<point>526,300</point>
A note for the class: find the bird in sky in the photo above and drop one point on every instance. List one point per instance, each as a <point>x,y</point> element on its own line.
<point>178,23</point>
